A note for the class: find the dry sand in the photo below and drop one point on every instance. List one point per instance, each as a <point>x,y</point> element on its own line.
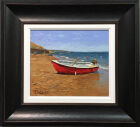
<point>46,82</point>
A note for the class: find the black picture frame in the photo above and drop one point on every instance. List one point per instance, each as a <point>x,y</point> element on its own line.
<point>124,13</point>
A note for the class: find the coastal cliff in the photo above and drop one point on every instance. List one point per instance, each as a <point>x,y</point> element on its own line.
<point>37,49</point>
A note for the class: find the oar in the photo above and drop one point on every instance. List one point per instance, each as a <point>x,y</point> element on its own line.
<point>74,61</point>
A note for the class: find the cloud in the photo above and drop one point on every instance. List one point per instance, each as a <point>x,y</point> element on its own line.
<point>76,38</point>
<point>61,35</point>
<point>49,35</point>
<point>96,35</point>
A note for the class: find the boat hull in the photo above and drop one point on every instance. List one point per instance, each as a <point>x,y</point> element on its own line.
<point>62,69</point>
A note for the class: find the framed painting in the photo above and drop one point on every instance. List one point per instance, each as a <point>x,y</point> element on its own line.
<point>69,63</point>
<point>78,66</point>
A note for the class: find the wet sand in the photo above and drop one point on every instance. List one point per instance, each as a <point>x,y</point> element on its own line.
<point>46,82</point>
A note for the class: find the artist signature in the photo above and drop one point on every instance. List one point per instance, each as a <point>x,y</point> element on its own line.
<point>40,92</point>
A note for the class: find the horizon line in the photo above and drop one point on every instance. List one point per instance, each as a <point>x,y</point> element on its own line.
<point>76,51</point>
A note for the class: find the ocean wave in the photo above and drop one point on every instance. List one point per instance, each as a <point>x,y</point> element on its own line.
<point>103,67</point>
<point>63,57</point>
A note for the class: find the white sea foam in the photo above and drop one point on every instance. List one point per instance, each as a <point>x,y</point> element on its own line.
<point>103,67</point>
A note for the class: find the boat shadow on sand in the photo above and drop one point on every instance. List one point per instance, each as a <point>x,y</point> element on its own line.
<point>96,72</point>
<point>81,77</point>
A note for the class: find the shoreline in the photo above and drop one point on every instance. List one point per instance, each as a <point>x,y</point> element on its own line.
<point>46,82</point>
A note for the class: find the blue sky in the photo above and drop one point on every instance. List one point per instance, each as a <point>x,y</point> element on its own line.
<point>84,41</point>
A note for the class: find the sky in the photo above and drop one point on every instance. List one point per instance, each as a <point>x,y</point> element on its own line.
<point>72,40</point>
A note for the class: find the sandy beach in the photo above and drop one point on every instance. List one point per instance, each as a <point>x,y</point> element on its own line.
<point>46,82</point>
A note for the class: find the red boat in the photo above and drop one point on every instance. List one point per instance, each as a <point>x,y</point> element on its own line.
<point>67,67</point>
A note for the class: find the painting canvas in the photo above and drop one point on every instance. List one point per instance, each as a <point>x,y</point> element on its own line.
<point>69,62</point>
